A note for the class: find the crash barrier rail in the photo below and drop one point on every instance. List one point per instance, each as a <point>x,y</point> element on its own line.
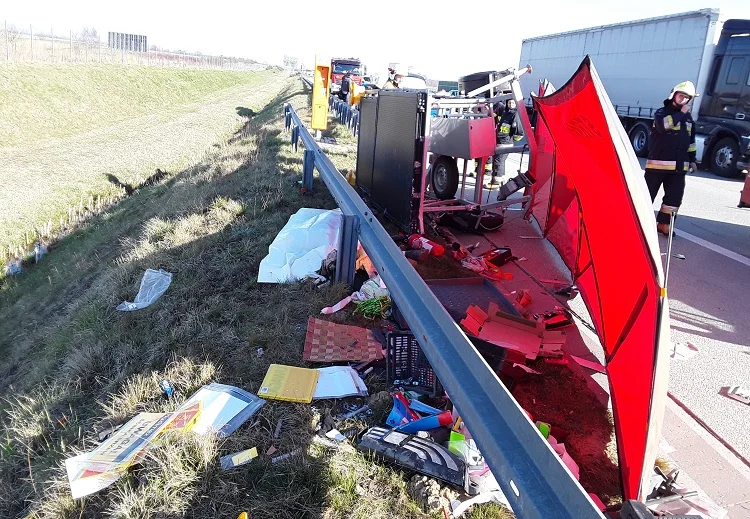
<point>529,472</point>
<point>345,113</point>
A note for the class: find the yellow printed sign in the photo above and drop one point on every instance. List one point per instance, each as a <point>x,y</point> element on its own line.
<point>321,88</point>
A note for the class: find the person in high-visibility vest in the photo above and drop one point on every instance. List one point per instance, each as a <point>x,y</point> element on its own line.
<point>671,152</point>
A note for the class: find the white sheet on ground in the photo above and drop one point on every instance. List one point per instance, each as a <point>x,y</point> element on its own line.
<point>301,246</point>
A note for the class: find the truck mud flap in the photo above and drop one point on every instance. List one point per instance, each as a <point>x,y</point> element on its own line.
<point>418,454</point>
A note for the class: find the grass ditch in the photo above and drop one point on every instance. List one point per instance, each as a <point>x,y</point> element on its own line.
<point>72,364</point>
<point>74,135</point>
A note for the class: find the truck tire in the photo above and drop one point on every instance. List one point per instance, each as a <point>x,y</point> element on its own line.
<point>724,156</point>
<point>444,177</point>
<point>639,135</point>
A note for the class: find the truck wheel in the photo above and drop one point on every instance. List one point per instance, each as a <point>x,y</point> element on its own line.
<point>444,177</point>
<point>724,157</point>
<point>639,139</point>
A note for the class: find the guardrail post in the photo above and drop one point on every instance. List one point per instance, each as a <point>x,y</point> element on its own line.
<point>346,255</point>
<point>355,123</point>
<point>308,163</point>
<point>295,138</point>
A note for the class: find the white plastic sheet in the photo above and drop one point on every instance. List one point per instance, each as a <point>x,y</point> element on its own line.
<point>153,285</point>
<point>301,246</point>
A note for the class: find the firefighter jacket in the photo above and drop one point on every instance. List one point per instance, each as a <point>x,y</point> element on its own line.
<point>508,129</point>
<point>672,141</point>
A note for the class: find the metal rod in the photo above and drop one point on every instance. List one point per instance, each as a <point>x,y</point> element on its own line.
<point>669,246</point>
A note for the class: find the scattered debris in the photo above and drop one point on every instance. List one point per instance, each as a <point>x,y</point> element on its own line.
<point>683,350</point>
<point>295,452</point>
<point>739,393</point>
<point>153,284</point>
<point>96,470</point>
<point>679,256</point>
<point>523,297</point>
<point>405,415</point>
<point>415,454</point>
<point>222,408</point>
<point>289,383</point>
<point>270,450</point>
<point>513,333</point>
<point>498,257</point>
<point>166,388</point>
<point>415,241</point>
<point>40,249</point>
<point>237,459</point>
<point>339,382</point>
<point>331,342</point>
<point>335,435</point>
<point>525,368</point>
<point>589,364</point>
<point>372,309</point>
<point>277,431</point>
<point>260,352</point>
<point>354,412</point>
<point>458,508</point>
<point>429,494</point>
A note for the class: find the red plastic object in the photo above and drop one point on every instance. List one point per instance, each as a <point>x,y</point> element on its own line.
<point>416,241</point>
<point>523,297</point>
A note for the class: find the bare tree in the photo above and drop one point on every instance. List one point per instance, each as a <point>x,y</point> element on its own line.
<point>89,36</point>
<point>290,62</point>
<point>12,33</point>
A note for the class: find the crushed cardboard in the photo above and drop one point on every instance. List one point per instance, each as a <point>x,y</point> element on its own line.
<point>512,332</point>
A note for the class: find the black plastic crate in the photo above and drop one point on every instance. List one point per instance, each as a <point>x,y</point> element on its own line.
<point>408,367</point>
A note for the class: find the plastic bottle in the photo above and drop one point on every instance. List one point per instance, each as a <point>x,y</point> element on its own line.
<point>420,242</point>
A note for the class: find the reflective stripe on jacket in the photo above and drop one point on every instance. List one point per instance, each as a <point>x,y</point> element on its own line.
<point>672,141</point>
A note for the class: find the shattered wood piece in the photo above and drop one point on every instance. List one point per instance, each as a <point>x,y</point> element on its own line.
<point>527,369</point>
<point>277,459</point>
<point>278,430</point>
<point>589,364</point>
<point>237,459</point>
<point>739,393</point>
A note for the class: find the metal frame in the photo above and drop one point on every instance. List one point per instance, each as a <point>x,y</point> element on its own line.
<point>529,472</point>
<point>473,108</point>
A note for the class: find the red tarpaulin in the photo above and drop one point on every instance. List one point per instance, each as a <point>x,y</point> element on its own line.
<point>591,202</point>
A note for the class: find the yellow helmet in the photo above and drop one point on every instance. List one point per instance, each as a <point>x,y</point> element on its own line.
<point>686,87</point>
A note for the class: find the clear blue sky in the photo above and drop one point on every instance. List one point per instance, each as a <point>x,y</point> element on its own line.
<point>428,35</point>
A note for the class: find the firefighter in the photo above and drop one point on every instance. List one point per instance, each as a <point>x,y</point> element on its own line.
<point>346,83</point>
<point>508,132</point>
<point>671,152</point>
<point>394,80</point>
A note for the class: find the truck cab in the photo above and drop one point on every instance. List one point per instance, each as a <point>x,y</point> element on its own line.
<point>340,66</point>
<point>723,123</point>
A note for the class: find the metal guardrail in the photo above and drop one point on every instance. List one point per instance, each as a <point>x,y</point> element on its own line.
<point>529,472</point>
<point>346,114</point>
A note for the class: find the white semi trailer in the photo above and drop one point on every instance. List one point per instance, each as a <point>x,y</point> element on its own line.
<point>640,61</point>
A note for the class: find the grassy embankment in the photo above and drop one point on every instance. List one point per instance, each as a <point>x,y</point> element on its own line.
<point>72,363</point>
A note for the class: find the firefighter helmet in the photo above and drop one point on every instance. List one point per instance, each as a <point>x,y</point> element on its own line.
<point>686,87</point>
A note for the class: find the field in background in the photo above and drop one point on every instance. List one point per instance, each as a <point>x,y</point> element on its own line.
<point>69,133</point>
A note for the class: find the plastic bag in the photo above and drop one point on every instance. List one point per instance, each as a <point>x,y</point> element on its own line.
<point>153,285</point>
